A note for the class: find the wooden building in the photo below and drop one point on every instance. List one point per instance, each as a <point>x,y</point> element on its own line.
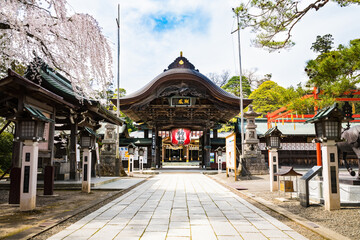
<point>180,98</point>
<point>45,94</point>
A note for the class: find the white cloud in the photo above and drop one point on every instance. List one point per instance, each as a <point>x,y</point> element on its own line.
<point>145,53</point>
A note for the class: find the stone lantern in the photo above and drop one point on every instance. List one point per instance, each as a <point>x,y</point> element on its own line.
<point>131,151</point>
<point>219,153</point>
<point>253,160</point>
<point>31,131</point>
<point>272,138</point>
<point>141,159</point>
<point>327,124</point>
<point>87,143</point>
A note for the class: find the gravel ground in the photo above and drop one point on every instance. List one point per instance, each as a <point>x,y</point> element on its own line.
<point>48,210</point>
<point>345,221</point>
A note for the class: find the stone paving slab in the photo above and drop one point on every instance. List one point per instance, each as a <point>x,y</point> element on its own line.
<point>179,206</point>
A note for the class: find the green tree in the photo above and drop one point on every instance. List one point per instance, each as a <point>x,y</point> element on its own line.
<point>336,71</point>
<point>268,97</point>
<point>233,86</point>
<point>323,44</point>
<point>130,124</point>
<point>274,20</point>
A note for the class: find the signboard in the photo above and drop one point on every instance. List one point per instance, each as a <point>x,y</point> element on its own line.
<point>180,101</point>
<point>124,154</point>
<point>212,157</point>
<point>180,136</point>
<point>231,153</point>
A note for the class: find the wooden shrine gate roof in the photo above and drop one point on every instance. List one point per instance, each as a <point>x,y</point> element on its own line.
<point>181,97</point>
<point>52,92</point>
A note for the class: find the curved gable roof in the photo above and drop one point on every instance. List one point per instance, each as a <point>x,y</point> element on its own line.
<point>181,69</point>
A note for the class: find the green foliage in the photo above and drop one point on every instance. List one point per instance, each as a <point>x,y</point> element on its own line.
<point>269,97</point>
<point>233,86</point>
<point>130,124</point>
<point>273,20</point>
<point>323,44</point>
<point>6,143</point>
<point>336,71</point>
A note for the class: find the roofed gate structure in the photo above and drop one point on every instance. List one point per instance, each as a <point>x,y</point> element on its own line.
<point>181,97</point>
<point>46,95</point>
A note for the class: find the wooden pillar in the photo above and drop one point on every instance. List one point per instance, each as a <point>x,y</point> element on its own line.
<point>158,152</point>
<point>72,157</point>
<point>15,173</point>
<point>163,153</point>
<point>207,148</point>
<point>50,169</point>
<point>215,133</point>
<point>187,153</point>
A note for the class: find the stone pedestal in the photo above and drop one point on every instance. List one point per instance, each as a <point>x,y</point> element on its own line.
<point>273,168</point>
<point>86,176</point>
<point>252,160</point>
<point>29,175</point>
<point>330,175</point>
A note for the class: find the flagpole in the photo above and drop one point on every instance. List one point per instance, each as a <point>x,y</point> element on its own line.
<point>241,89</point>
<point>118,160</point>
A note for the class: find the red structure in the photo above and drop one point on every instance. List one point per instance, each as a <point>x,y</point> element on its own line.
<point>284,114</point>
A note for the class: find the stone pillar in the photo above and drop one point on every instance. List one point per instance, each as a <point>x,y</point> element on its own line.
<point>330,175</point>
<point>274,166</point>
<point>29,175</point>
<point>73,141</point>
<point>86,181</point>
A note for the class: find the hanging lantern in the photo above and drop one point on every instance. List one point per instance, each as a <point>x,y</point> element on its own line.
<point>180,136</point>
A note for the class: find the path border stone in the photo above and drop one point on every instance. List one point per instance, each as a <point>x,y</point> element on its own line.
<point>322,231</point>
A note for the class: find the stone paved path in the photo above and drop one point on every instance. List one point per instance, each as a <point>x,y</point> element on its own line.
<point>179,206</point>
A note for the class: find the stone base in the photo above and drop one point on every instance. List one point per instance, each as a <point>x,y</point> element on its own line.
<point>256,165</point>
<point>107,169</point>
<point>350,181</point>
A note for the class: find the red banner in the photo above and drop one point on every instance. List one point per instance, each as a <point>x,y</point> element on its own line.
<point>180,136</point>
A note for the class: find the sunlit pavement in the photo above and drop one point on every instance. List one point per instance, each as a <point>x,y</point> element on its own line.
<point>179,206</point>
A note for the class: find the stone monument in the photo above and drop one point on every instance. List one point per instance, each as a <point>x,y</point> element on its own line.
<point>253,160</point>
<point>108,151</point>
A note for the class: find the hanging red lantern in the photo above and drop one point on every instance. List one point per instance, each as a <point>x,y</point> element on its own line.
<point>180,136</point>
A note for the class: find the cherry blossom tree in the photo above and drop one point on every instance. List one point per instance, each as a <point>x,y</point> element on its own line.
<point>70,43</point>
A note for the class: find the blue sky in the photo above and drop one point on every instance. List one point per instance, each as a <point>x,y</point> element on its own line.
<point>153,32</point>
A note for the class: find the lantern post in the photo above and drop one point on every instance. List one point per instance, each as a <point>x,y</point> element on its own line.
<point>31,132</point>
<point>327,124</point>
<point>219,152</point>
<point>272,138</point>
<point>141,160</point>
<point>131,151</point>
<point>87,143</point>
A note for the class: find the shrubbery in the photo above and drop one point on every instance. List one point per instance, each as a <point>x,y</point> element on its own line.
<point>6,146</point>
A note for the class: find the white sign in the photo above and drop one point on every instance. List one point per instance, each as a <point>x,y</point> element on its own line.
<point>77,153</point>
<point>231,151</point>
<point>97,153</point>
<point>124,154</point>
